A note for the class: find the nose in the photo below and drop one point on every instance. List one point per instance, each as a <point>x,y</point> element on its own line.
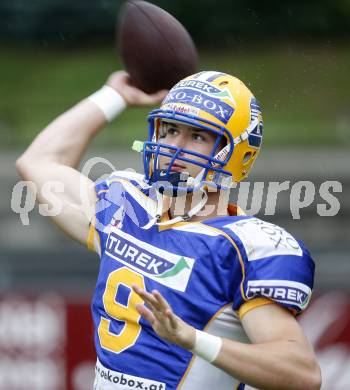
<point>179,141</point>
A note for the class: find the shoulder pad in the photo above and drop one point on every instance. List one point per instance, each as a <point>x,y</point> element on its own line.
<point>262,239</point>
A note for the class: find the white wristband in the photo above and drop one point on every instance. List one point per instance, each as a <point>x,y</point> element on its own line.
<point>109,101</point>
<point>207,346</point>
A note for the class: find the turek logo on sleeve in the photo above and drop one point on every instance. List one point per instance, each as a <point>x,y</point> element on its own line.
<point>158,264</point>
<point>283,291</point>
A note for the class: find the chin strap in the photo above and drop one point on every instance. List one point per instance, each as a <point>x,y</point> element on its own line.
<point>245,134</point>
<point>221,155</point>
<point>180,218</point>
<point>158,213</point>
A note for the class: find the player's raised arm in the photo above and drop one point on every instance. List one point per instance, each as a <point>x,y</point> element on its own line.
<point>58,149</point>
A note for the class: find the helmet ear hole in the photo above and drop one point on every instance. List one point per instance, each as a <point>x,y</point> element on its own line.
<point>247,157</point>
<point>223,142</point>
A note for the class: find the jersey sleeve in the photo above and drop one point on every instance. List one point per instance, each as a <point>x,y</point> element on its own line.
<point>110,205</point>
<point>275,267</point>
<point>105,208</point>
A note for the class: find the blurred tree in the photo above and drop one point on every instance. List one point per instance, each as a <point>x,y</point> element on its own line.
<point>215,23</point>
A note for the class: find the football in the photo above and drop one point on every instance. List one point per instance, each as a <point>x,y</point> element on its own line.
<point>155,48</point>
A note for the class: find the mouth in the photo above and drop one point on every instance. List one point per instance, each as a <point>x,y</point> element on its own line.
<point>176,167</point>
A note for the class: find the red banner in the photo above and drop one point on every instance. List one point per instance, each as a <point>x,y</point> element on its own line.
<point>46,341</point>
<point>327,326</point>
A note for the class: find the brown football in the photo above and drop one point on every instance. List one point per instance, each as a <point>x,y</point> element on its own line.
<point>156,49</point>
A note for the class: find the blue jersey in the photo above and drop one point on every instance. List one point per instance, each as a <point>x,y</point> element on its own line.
<point>210,272</point>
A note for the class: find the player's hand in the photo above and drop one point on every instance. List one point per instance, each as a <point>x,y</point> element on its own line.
<point>163,320</point>
<point>121,82</point>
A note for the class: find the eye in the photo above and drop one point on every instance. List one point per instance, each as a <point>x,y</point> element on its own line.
<point>171,131</point>
<point>168,131</point>
<point>198,137</point>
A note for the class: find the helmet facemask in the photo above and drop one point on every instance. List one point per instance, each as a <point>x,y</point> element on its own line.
<point>176,182</point>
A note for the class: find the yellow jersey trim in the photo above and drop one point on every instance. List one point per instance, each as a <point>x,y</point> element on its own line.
<point>165,218</point>
<point>238,253</point>
<point>254,303</point>
<point>232,210</point>
<point>93,240</point>
<point>219,232</point>
<point>90,238</point>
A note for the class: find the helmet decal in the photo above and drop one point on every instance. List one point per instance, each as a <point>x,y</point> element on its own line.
<point>204,96</point>
<point>255,136</point>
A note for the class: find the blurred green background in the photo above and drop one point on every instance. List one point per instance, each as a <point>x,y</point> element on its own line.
<point>294,55</point>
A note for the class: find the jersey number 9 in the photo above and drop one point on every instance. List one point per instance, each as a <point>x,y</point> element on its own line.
<point>127,314</point>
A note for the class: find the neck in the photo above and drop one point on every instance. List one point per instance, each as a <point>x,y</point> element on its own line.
<point>215,206</point>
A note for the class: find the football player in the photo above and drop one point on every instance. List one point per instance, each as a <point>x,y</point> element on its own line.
<point>191,293</point>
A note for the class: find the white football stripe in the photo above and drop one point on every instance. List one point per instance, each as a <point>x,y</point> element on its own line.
<point>206,75</point>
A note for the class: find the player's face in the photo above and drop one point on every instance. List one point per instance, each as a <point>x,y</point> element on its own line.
<point>186,137</point>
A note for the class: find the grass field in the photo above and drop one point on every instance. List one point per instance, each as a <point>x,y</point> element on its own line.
<point>304,91</point>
